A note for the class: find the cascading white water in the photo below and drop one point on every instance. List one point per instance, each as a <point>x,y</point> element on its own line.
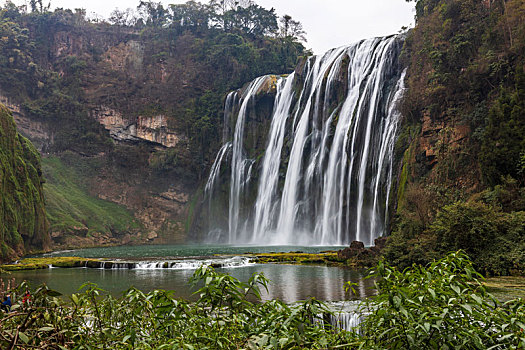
<point>325,175</point>
<point>347,316</point>
<point>386,154</point>
<point>229,105</point>
<point>291,200</point>
<point>265,203</point>
<point>216,169</point>
<point>179,264</point>
<point>239,173</point>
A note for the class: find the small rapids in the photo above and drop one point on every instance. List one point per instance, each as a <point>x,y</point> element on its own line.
<point>178,264</point>
<point>345,315</point>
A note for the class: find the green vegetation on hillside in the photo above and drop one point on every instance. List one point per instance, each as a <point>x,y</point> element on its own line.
<point>466,61</point>
<point>463,178</point>
<point>503,143</point>
<point>489,226</point>
<point>70,208</point>
<point>179,61</point>
<point>23,225</point>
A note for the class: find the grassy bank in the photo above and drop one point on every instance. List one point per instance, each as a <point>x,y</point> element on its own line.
<point>44,263</point>
<point>70,208</point>
<point>300,258</point>
<point>506,288</point>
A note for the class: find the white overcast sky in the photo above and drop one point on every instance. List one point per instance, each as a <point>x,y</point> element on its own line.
<point>328,23</point>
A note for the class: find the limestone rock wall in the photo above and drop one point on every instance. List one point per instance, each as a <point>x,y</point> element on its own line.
<point>153,129</point>
<point>35,130</point>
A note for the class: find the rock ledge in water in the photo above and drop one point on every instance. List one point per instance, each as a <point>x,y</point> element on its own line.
<point>358,256</point>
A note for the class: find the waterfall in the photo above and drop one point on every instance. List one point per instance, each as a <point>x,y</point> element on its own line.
<point>291,199</point>
<point>228,111</point>
<point>216,169</point>
<point>345,316</point>
<point>347,321</point>
<point>265,203</point>
<point>241,166</point>
<point>324,175</point>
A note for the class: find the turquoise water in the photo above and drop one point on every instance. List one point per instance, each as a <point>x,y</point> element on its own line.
<point>289,283</point>
<point>169,251</point>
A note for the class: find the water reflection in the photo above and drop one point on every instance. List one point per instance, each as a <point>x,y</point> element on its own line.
<point>289,283</point>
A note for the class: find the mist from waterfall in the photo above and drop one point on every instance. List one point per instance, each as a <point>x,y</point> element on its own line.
<point>325,175</point>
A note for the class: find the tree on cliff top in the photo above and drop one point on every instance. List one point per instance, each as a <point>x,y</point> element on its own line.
<point>153,13</point>
<point>254,20</point>
<point>203,56</point>
<point>290,28</point>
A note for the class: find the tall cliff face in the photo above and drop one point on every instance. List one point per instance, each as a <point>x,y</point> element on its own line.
<point>466,60</point>
<point>462,143</point>
<point>127,116</point>
<point>23,223</point>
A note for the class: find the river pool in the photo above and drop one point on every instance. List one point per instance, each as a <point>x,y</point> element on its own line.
<point>289,283</point>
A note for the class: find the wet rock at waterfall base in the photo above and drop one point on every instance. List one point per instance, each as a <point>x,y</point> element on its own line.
<point>354,250</point>
<point>358,256</point>
<point>380,243</point>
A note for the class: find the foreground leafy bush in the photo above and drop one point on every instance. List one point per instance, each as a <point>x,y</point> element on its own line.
<point>223,317</point>
<point>441,306</point>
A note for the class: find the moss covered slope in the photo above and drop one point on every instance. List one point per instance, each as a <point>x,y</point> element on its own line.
<point>76,215</point>
<point>23,224</point>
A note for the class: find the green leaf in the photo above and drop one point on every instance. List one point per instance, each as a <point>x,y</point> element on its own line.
<point>46,329</point>
<point>505,337</point>
<point>467,307</point>
<point>283,341</point>
<point>323,341</point>
<point>426,326</point>
<point>456,289</point>
<point>477,299</point>
<point>53,293</point>
<point>263,340</point>
<point>410,339</point>
<point>403,311</point>
<point>24,337</point>
<point>397,301</point>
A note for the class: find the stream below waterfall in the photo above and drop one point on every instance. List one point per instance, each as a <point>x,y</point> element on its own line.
<point>289,283</point>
